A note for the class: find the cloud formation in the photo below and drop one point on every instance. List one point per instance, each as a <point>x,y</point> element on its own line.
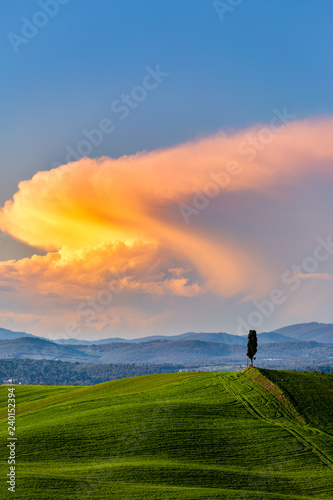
<point>191,220</point>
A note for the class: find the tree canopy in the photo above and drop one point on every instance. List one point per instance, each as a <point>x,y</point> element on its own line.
<point>252,345</point>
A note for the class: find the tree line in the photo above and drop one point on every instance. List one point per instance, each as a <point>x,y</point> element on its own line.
<point>51,372</point>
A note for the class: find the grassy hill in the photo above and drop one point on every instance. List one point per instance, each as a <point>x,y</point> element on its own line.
<point>310,393</point>
<point>174,436</point>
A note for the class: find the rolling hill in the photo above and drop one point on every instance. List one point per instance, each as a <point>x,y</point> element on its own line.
<point>37,348</point>
<point>273,337</point>
<point>175,436</point>
<point>319,332</point>
<point>221,337</point>
<point>9,335</point>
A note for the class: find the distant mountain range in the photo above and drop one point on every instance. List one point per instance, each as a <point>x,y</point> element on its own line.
<point>320,332</point>
<point>9,335</point>
<point>37,348</point>
<point>290,343</point>
<point>221,338</point>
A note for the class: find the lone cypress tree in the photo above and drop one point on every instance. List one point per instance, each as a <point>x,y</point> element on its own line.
<point>252,345</point>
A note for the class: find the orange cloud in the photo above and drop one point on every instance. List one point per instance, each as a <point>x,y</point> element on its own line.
<point>102,216</point>
<point>92,201</point>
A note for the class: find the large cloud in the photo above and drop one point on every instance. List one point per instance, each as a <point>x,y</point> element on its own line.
<point>196,207</point>
<point>92,201</point>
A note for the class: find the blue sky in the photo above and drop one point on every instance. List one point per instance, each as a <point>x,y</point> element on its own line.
<point>229,74</point>
<point>222,75</point>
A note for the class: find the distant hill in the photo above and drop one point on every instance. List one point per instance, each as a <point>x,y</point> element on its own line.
<point>89,342</point>
<point>37,348</point>
<point>276,348</point>
<point>270,337</point>
<point>221,338</point>
<point>163,351</point>
<point>197,351</point>
<point>320,332</point>
<point>9,335</point>
<point>224,338</point>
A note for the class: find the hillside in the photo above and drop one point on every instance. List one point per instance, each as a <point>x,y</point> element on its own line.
<point>9,335</point>
<point>310,393</point>
<point>319,332</point>
<point>273,337</point>
<point>170,436</point>
<point>37,348</point>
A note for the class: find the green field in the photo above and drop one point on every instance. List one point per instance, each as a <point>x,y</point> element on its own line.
<point>175,436</point>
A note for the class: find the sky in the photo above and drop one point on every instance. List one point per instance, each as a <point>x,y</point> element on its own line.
<point>166,166</point>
